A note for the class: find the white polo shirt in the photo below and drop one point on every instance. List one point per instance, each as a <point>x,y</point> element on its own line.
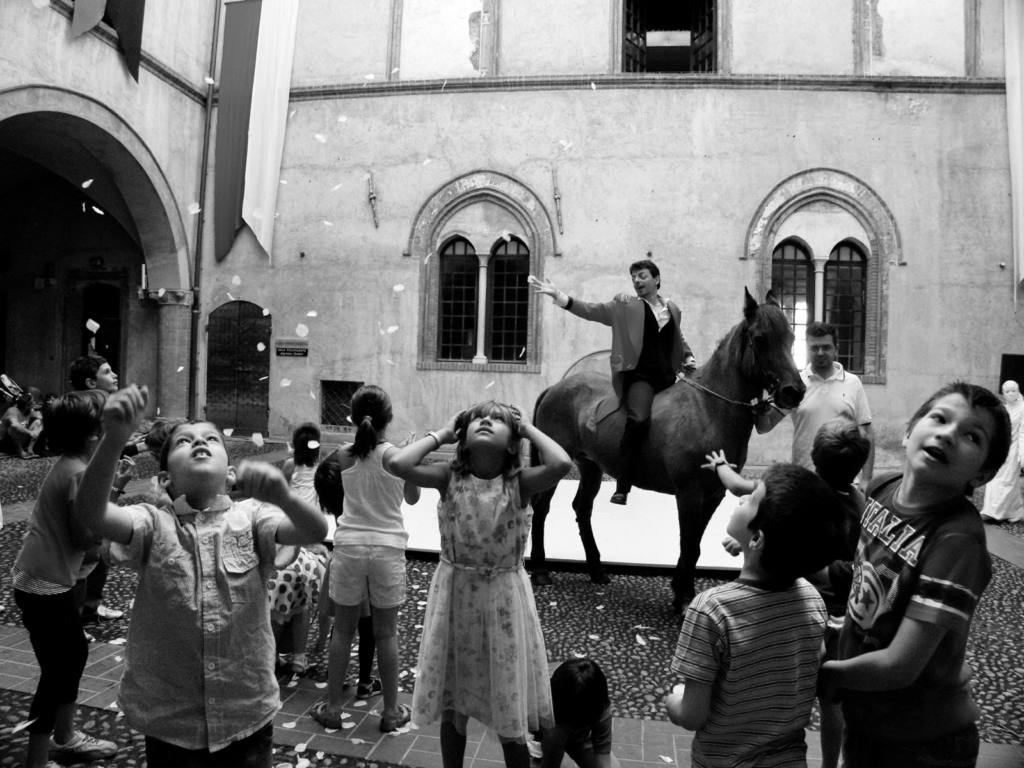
<point>839,395</point>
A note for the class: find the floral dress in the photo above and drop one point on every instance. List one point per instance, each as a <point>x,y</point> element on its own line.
<point>482,652</point>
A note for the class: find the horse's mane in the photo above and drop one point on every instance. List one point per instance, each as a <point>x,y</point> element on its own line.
<point>730,348</point>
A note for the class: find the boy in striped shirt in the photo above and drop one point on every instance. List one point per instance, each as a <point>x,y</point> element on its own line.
<point>921,566</point>
<point>749,650</point>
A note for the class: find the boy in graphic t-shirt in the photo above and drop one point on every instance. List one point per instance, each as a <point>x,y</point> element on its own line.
<point>921,566</point>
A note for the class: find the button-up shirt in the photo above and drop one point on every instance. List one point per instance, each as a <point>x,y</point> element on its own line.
<point>199,669</point>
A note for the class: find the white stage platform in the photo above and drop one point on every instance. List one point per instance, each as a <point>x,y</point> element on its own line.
<point>644,532</point>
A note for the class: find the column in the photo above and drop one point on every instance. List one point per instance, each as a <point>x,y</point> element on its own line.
<point>481,309</point>
<point>173,364</point>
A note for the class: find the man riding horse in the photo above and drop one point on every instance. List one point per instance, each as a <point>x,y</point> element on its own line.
<point>648,353</point>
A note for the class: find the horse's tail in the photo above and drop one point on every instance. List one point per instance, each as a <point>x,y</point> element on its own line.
<point>534,460</point>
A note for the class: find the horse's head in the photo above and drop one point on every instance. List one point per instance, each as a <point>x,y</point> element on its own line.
<point>768,357</point>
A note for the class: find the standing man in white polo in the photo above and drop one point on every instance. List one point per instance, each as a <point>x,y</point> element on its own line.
<point>832,392</point>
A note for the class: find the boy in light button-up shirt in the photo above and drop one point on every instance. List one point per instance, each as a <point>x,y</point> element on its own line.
<point>199,674</point>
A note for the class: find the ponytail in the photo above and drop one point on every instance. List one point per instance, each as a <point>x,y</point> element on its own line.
<point>371,413</point>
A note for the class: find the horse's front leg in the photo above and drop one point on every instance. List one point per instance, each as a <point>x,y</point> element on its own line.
<point>583,504</point>
<point>694,508</point>
<point>539,573</point>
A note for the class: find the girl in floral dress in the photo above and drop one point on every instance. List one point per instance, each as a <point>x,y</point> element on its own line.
<point>482,653</point>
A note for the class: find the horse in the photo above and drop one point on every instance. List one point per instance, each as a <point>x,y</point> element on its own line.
<point>714,408</point>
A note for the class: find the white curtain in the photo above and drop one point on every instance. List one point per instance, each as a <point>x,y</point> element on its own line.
<point>268,116</point>
<point>1013,26</point>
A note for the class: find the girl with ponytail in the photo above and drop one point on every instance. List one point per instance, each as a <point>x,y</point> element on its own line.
<point>369,558</point>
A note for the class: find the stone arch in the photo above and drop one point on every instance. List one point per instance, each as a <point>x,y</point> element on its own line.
<point>439,219</point>
<point>883,249</point>
<point>58,128</point>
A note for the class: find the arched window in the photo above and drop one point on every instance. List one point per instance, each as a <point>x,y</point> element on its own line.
<point>845,300</point>
<point>456,339</point>
<point>793,285</point>
<point>478,238</point>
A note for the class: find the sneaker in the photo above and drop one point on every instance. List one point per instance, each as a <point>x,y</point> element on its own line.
<point>366,690</point>
<point>103,613</point>
<point>82,746</point>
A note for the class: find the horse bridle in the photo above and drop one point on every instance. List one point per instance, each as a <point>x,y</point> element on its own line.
<point>770,383</point>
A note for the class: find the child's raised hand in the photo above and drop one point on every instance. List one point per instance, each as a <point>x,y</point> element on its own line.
<point>522,420</point>
<point>713,459</point>
<point>730,545</point>
<point>544,286</point>
<point>263,482</point>
<point>123,410</point>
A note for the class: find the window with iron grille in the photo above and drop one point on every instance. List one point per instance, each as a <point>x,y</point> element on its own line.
<point>669,37</point>
<point>336,403</point>
<point>793,286</point>
<point>505,304</point>
<point>456,338</point>
<point>845,300</point>
<point>509,303</point>
<point>844,294</point>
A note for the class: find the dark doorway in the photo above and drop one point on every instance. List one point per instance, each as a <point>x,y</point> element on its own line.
<point>238,367</point>
<point>101,304</point>
<point>1012,367</point>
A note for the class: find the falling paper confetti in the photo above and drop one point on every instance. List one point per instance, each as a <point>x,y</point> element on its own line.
<point>161,292</point>
<point>181,368</point>
<point>98,210</point>
<point>286,382</point>
<point>640,640</point>
<point>336,187</point>
<point>119,641</point>
<point>320,137</point>
<point>293,683</point>
<point>302,330</point>
<point>208,80</point>
<point>194,208</point>
<point>666,759</point>
<point>321,685</point>
<point>331,730</point>
<point>92,325</point>
<point>87,183</point>
<point>263,378</point>
<point>398,288</point>
<point>328,223</point>
<point>257,439</point>
<point>230,297</point>
<point>311,313</point>
<point>427,161</point>
<point>394,71</point>
<point>284,181</point>
<point>506,236</point>
<point>370,76</point>
<point>266,311</point>
<point>313,445</point>
<point>236,280</point>
<point>292,724</point>
<point>228,432</point>
<point>348,726</point>
<point>593,85</point>
<point>358,703</point>
<point>260,347</point>
<point>342,118</point>
<point>489,384</point>
<point>292,114</point>
<point>565,144</point>
<point>22,726</point>
<point>392,328</point>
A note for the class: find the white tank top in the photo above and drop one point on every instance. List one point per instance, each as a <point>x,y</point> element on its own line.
<point>372,510</point>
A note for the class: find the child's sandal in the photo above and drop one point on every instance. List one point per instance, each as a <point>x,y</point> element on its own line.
<point>392,721</point>
<point>325,717</point>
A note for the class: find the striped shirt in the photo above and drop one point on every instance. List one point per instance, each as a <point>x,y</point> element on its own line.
<point>931,567</point>
<point>760,649</point>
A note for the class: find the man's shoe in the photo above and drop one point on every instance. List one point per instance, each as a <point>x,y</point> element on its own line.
<point>82,747</point>
<point>619,498</point>
<point>107,614</point>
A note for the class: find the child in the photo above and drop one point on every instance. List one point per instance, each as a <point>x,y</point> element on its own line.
<point>921,567</point>
<point>583,717</point>
<point>293,589</point>
<point>331,493</point>
<point>45,572</point>
<point>20,425</point>
<point>369,558</point>
<point>482,653</point>
<point>199,669</point>
<point>749,650</point>
<point>838,452</point>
